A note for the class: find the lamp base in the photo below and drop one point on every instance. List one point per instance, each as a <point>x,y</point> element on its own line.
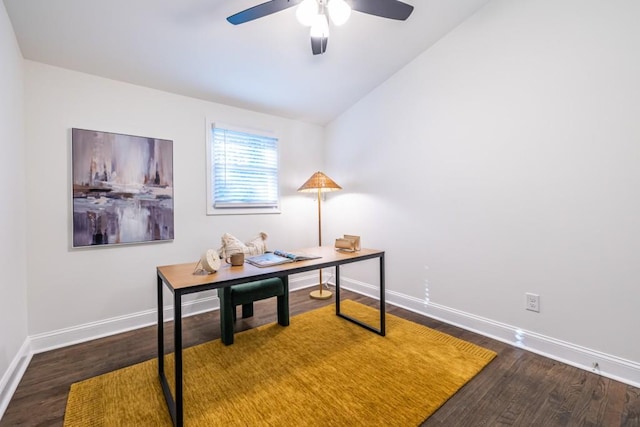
<point>317,294</point>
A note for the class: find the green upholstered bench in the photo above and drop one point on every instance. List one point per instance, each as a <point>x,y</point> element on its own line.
<point>244,295</point>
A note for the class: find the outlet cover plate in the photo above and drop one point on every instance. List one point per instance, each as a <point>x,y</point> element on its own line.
<point>533,302</point>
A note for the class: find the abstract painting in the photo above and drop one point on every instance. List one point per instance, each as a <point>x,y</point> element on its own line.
<point>122,188</point>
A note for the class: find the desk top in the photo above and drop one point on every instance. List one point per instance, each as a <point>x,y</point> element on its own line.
<point>180,276</point>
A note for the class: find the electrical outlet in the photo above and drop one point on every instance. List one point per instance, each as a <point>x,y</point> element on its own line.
<point>533,302</point>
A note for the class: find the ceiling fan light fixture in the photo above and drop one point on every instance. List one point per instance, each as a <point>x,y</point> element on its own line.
<point>307,12</point>
<point>320,27</point>
<point>339,11</point>
<point>314,13</point>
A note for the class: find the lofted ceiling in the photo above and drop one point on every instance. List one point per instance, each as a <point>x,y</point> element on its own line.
<point>187,47</point>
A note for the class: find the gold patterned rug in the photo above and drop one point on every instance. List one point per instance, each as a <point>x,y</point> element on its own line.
<point>320,371</point>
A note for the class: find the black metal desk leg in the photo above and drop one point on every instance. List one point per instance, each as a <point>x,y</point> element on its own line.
<point>160,330</point>
<point>161,373</point>
<point>380,331</point>
<point>177,324</point>
<point>382,298</point>
<point>337,289</point>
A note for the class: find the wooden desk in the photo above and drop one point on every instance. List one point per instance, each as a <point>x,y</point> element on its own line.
<point>180,280</point>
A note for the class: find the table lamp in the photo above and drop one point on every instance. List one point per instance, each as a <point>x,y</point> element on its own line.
<point>319,183</point>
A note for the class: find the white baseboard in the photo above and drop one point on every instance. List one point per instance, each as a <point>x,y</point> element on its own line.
<point>115,325</point>
<point>13,375</point>
<point>607,365</point>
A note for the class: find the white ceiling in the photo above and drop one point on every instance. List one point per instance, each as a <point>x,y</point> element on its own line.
<point>187,47</point>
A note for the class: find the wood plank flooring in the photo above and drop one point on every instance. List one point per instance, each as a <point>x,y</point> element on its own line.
<point>518,388</point>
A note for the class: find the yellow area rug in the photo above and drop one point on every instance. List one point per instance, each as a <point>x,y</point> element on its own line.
<point>321,370</point>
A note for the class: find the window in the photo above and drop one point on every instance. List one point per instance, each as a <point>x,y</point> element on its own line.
<point>242,168</point>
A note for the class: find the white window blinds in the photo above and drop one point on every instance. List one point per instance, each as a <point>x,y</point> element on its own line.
<point>245,169</point>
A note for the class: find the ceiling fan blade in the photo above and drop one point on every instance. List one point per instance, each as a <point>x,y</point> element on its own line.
<point>392,9</point>
<point>319,45</point>
<point>261,10</point>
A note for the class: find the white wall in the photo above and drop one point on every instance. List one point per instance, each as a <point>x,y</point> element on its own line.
<point>73,287</point>
<point>505,160</point>
<point>13,256</point>
<point>501,161</point>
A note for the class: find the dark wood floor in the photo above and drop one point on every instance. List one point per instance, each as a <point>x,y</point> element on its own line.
<point>518,388</point>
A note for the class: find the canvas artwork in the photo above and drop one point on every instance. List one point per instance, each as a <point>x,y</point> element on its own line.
<point>122,188</point>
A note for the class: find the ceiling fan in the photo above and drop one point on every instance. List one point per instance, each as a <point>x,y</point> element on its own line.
<point>313,13</point>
